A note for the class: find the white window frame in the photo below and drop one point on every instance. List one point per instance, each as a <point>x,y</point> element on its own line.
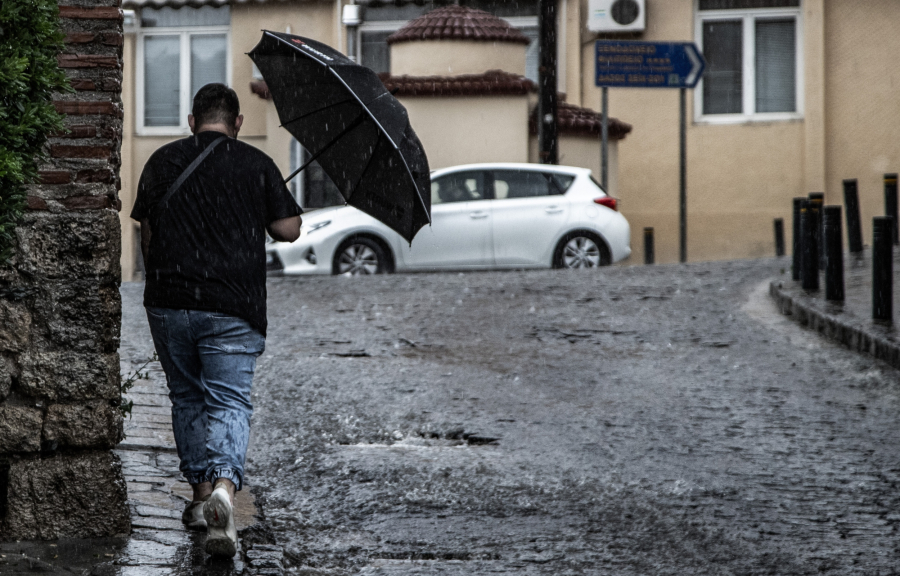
<point>297,186</point>
<point>185,96</point>
<point>749,17</point>
<point>375,26</point>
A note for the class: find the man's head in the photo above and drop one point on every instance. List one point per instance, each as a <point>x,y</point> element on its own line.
<point>216,107</point>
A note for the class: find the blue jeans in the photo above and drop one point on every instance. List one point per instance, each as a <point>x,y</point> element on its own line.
<point>209,359</point>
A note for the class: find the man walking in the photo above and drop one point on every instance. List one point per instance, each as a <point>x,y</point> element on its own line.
<point>205,203</point>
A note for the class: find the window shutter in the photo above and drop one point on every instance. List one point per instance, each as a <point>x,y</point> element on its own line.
<point>776,63</point>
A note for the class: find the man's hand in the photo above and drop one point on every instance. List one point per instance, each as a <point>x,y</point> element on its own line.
<point>285,230</point>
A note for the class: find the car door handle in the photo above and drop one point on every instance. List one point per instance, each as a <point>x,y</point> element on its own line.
<point>553,210</point>
<point>478,215</point>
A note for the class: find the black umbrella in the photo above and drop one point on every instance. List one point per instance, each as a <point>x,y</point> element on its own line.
<point>357,131</point>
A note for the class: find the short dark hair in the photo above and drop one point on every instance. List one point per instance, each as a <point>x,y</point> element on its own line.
<point>215,103</point>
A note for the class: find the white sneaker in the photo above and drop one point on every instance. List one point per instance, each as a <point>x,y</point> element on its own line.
<point>221,533</point>
<point>192,517</point>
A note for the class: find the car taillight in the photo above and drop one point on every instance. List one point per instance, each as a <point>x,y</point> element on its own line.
<point>607,201</point>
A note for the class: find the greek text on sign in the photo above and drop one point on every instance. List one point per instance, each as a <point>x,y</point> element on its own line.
<point>635,64</point>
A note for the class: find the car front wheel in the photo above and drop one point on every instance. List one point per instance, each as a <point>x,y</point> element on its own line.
<point>581,249</point>
<point>359,256</point>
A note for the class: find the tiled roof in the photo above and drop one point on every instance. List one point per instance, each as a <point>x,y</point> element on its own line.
<point>136,4</point>
<point>491,83</point>
<point>458,23</point>
<point>577,121</point>
<point>571,120</point>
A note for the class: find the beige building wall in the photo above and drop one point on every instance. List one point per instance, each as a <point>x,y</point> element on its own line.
<point>130,244</point>
<point>571,15</point>
<point>484,129</point>
<point>456,57</point>
<point>463,130</point>
<point>739,176</point>
<point>862,104</point>
<point>583,152</point>
<point>312,19</point>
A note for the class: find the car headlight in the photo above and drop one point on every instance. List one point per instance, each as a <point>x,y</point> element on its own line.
<point>304,230</point>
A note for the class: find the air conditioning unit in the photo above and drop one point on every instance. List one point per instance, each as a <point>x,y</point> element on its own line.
<point>617,15</point>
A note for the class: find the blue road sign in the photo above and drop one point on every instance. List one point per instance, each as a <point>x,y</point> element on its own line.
<point>635,64</point>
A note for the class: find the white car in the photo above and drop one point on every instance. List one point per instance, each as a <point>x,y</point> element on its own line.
<point>483,216</point>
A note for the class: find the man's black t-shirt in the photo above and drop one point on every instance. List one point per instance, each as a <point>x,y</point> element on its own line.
<point>207,249</point>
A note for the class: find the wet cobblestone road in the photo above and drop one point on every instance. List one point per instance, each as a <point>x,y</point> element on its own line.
<point>645,420</point>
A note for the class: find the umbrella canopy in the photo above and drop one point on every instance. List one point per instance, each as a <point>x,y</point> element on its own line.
<point>356,130</point>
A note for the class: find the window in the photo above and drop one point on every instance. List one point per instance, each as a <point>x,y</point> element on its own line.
<point>458,187</point>
<point>383,19</point>
<point>312,188</point>
<point>753,60</point>
<point>528,184</point>
<point>374,51</point>
<point>178,51</point>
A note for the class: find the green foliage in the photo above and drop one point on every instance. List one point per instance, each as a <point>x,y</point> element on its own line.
<point>30,41</point>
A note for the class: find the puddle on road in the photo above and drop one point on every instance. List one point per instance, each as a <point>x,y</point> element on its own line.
<point>64,556</point>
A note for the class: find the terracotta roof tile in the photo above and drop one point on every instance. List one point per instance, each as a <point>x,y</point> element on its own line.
<point>491,83</point>
<point>572,120</point>
<point>458,23</point>
<point>577,121</point>
<point>137,4</point>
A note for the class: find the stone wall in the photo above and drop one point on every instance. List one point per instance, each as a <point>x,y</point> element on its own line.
<point>60,309</point>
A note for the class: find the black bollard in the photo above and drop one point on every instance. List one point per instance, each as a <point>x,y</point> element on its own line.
<point>796,241</point>
<point>834,254</point>
<point>779,237</point>
<point>883,269</point>
<point>890,202</point>
<point>817,202</point>
<point>809,264</point>
<point>649,255</point>
<point>854,225</point>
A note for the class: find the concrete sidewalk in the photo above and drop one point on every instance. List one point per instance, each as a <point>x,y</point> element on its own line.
<point>849,322</point>
<point>157,494</point>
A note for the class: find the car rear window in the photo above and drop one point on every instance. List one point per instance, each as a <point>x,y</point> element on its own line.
<point>563,181</point>
<point>529,184</point>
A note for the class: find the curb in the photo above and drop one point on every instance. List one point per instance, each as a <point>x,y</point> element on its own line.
<point>876,340</point>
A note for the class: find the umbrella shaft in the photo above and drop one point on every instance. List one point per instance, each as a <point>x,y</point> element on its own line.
<point>322,109</point>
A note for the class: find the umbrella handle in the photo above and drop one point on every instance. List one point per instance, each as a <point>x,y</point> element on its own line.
<point>349,127</point>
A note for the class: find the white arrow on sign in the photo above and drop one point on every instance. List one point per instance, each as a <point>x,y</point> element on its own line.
<point>696,64</point>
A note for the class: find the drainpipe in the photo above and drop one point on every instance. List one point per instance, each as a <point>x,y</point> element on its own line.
<point>548,138</point>
<point>351,18</point>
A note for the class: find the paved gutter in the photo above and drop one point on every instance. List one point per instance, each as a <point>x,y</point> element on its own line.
<point>849,323</point>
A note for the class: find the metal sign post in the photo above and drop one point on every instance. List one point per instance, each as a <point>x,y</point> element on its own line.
<point>635,64</point>
<point>604,144</point>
